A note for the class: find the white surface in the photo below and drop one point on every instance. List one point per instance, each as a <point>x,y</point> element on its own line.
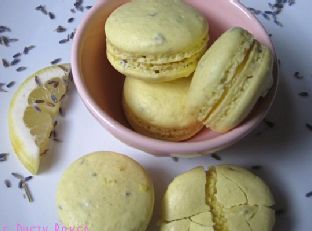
<point>284,151</point>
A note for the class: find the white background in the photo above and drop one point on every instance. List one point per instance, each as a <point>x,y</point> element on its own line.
<point>284,152</point>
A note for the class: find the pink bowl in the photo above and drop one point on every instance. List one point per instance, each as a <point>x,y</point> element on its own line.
<point>100,86</point>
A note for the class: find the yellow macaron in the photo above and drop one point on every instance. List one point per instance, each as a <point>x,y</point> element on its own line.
<point>159,110</point>
<point>155,40</point>
<point>229,79</point>
<point>226,197</point>
<point>105,191</point>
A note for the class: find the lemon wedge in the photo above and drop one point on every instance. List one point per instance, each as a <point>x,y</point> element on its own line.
<point>33,110</point>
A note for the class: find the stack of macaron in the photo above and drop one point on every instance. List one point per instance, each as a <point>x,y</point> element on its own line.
<point>173,85</point>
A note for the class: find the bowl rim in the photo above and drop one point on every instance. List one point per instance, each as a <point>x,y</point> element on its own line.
<point>151,145</point>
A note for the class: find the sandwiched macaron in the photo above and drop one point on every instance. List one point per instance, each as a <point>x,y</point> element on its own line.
<point>225,197</point>
<point>156,40</point>
<point>159,110</point>
<point>105,191</point>
<point>229,79</point>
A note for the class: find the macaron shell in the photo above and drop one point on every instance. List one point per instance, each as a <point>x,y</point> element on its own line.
<point>155,27</point>
<point>105,191</point>
<point>155,40</point>
<point>159,110</point>
<point>249,218</point>
<point>215,69</point>
<point>234,199</point>
<point>185,196</point>
<point>256,192</point>
<point>246,87</point>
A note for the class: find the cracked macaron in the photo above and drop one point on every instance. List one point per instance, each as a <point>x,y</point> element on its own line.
<point>225,197</point>
<point>229,80</point>
<point>155,40</point>
<point>105,191</point>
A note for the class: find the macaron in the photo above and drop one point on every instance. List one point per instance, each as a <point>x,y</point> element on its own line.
<point>229,80</point>
<point>159,110</point>
<point>155,40</point>
<point>105,191</point>
<point>226,197</point>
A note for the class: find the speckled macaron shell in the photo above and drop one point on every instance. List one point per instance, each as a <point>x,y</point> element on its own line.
<point>239,199</point>
<point>156,40</point>
<point>184,203</point>
<point>105,191</point>
<point>229,79</point>
<point>190,185</point>
<point>226,197</point>
<point>159,110</point>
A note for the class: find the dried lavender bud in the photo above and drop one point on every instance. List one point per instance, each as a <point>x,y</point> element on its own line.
<point>51,15</point>
<point>14,62</point>
<point>54,99</point>
<point>27,191</point>
<point>4,29</point>
<point>28,48</point>
<point>270,124</point>
<point>7,183</point>
<point>309,126</point>
<point>297,75</point>
<point>55,61</point>
<point>39,7</point>
<point>256,167</point>
<point>1,87</point>
<point>309,194</point>
<point>42,9</point>
<point>10,84</point>
<point>216,156</point>
<point>71,35</point>
<point>78,3</point>
<point>278,23</point>
<point>70,20</point>
<point>63,41</point>
<point>17,176</point>
<point>3,157</point>
<point>175,159</point>
<point>5,63</point>
<point>60,29</point>
<point>304,94</point>
<point>4,40</point>
<point>267,17</point>
<point>36,108</point>
<point>28,178</point>
<point>17,55</point>
<point>21,69</point>
<point>13,39</point>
